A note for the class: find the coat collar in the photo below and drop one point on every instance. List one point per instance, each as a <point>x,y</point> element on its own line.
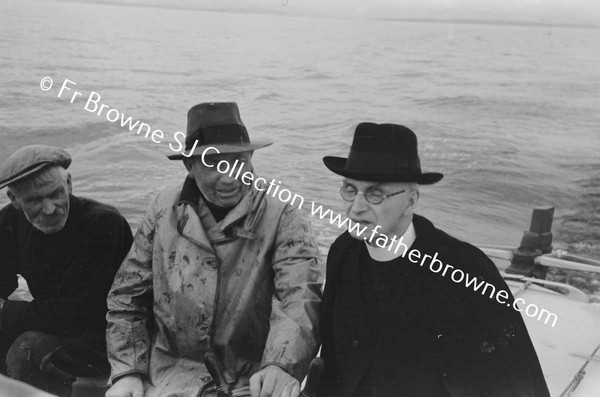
<point>189,193</point>
<point>239,222</point>
<point>386,254</point>
<point>429,238</point>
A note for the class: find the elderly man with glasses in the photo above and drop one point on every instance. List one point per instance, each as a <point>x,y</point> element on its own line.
<point>392,322</point>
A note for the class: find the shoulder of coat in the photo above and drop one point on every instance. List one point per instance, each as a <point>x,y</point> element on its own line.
<point>169,196</point>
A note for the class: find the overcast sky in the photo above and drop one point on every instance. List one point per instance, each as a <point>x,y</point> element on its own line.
<point>550,11</point>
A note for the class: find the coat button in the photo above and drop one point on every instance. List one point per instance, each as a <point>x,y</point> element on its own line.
<point>210,262</point>
<point>206,378</point>
<point>355,343</point>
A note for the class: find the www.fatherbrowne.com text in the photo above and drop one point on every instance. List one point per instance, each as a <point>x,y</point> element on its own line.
<point>394,244</point>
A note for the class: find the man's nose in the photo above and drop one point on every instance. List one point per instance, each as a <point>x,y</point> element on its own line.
<point>359,204</point>
<point>226,179</point>
<point>48,207</point>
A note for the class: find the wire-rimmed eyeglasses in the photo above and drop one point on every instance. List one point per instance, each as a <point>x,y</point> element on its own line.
<point>372,194</point>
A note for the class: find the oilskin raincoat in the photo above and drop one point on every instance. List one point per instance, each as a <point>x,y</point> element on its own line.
<point>247,288</point>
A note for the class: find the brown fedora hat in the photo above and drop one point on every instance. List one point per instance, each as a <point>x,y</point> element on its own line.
<point>382,153</point>
<point>218,125</point>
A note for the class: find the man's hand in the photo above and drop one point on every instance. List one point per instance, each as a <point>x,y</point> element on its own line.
<point>127,386</point>
<point>272,381</point>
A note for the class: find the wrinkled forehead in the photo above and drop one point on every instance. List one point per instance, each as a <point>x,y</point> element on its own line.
<point>384,186</point>
<point>46,178</point>
<point>43,188</point>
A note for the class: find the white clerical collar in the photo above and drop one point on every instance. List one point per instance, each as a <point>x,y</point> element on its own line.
<point>384,255</point>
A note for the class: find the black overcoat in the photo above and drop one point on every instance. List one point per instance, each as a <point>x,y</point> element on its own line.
<point>436,337</point>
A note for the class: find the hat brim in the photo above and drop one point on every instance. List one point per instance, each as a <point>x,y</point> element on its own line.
<point>222,148</point>
<point>338,166</point>
<point>24,174</point>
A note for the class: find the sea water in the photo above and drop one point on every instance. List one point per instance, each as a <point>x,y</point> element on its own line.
<point>508,112</point>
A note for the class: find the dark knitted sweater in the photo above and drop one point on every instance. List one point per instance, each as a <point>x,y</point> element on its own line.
<point>68,273</point>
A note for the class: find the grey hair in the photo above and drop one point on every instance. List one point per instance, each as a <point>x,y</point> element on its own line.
<point>38,179</point>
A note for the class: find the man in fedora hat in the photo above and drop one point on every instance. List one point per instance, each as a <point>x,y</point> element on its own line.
<point>68,249</point>
<point>396,318</point>
<point>218,266</point>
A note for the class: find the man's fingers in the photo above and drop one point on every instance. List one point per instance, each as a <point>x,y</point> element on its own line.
<point>124,393</point>
<point>118,392</point>
<point>268,384</point>
<point>296,390</point>
<point>126,387</point>
<point>273,381</point>
<point>292,389</point>
<point>255,384</point>
<point>111,393</point>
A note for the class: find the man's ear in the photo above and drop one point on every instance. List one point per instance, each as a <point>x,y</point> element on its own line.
<point>13,199</point>
<point>69,184</point>
<point>413,200</point>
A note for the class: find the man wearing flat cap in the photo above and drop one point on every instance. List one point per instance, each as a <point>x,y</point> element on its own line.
<point>68,249</point>
<point>218,266</point>
<point>394,320</point>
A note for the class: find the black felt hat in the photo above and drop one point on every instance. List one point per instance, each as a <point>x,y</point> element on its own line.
<point>382,153</point>
<point>219,125</point>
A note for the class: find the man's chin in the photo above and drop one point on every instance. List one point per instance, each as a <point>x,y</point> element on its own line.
<point>50,229</point>
<point>354,236</point>
<point>365,229</point>
<point>227,202</point>
<point>226,199</point>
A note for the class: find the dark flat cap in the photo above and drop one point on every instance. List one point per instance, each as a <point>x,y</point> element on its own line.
<point>30,159</point>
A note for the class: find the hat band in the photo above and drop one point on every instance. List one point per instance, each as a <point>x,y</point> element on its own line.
<point>218,134</point>
<point>382,163</point>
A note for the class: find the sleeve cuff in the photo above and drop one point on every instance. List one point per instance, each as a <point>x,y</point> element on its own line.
<point>115,378</point>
